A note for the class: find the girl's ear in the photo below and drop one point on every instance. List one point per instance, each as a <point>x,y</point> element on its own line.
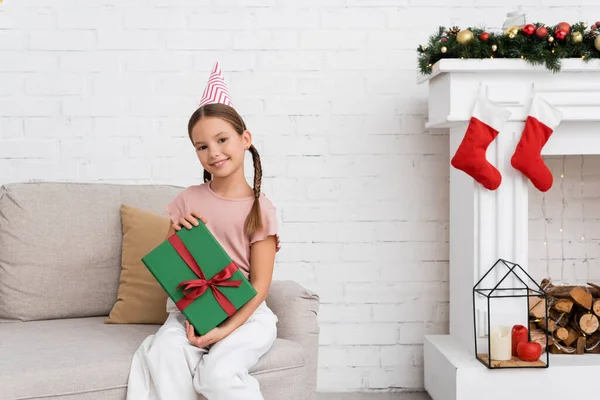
<point>247,139</point>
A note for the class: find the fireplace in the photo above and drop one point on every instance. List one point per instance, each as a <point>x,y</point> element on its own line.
<point>488,225</point>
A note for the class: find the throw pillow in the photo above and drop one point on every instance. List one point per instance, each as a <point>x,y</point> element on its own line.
<point>140,298</point>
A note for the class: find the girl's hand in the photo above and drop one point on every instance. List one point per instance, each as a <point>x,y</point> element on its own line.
<point>188,221</point>
<point>211,337</point>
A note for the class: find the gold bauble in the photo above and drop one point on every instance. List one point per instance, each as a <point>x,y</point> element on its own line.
<point>576,37</point>
<point>512,35</point>
<point>494,47</point>
<point>585,26</point>
<point>444,49</point>
<point>464,36</point>
<point>512,30</point>
<point>597,43</point>
<point>550,39</point>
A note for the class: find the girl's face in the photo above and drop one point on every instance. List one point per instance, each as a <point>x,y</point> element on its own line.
<point>219,147</point>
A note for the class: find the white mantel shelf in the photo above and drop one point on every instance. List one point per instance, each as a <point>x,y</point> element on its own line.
<point>488,225</point>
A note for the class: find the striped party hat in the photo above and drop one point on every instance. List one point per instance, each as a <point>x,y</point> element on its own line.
<point>216,90</point>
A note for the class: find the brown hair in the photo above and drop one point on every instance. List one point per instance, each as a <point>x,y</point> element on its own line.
<point>229,114</point>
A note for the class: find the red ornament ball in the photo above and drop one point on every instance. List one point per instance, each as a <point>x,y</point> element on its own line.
<point>593,27</point>
<point>443,39</point>
<point>563,26</point>
<point>560,34</point>
<point>484,36</point>
<point>597,23</point>
<point>529,29</point>
<point>541,32</point>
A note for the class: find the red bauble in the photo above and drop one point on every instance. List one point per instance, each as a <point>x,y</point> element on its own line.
<point>541,32</point>
<point>443,39</point>
<point>484,36</point>
<point>560,34</point>
<point>563,26</point>
<point>593,27</point>
<point>529,29</point>
<point>597,23</point>
<point>529,351</point>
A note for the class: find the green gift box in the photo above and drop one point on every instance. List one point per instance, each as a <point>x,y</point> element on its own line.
<point>199,276</point>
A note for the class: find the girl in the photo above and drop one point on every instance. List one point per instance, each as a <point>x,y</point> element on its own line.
<point>175,363</point>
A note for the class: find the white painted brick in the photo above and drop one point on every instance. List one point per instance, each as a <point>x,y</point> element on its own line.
<point>263,83</point>
<point>295,105</point>
<point>90,18</point>
<point>15,61</point>
<point>401,355</point>
<point>11,127</point>
<point>336,379</point>
<point>296,145</point>
<point>198,40</point>
<point>351,271</point>
<point>289,61</point>
<point>331,39</point>
<point>87,148</point>
<point>182,167</point>
<point>57,40</point>
<point>325,212</point>
<point>328,292</point>
<point>156,61</point>
<point>245,3</point>
<point>26,19</point>
<point>398,378</point>
<point>161,107</point>
<point>394,292</point>
<point>108,85</point>
<point>40,170</point>
<point>92,107</point>
<point>230,19</point>
<point>58,127</point>
<point>117,170</point>
<point>351,18</point>
<point>105,61</point>
<point>124,127</point>
<point>170,148</point>
<point>8,171</point>
<point>155,19</point>
<point>12,40</point>
<point>54,84</point>
<point>29,107</point>
<point>331,232</point>
<point>356,356</point>
<point>265,40</point>
<point>11,85</point>
<point>359,334</point>
<point>28,148</point>
<point>286,189</point>
<point>358,313</point>
<point>301,272</point>
<point>231,61</point>
<point>112,39</point>
<point>180,3</point>
<point>409,310</point>
<point>413,332</point>
<point>419,272</point>
<point>285,18</point>
<point>310,252</point>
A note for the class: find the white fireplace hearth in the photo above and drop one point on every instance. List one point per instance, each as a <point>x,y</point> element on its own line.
<point>488,225</point>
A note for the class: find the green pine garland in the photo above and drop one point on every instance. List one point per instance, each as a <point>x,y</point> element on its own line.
<point>532,49</point>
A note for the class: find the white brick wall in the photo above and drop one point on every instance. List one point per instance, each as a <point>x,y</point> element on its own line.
<point>101,91</point>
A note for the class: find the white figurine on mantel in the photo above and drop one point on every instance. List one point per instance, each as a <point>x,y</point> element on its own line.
<point>515,18</point>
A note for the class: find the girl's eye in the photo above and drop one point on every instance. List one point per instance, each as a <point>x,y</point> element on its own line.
<point>201,148</point>
<point>222,140</point>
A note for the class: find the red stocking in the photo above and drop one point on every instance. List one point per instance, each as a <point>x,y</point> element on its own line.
<point>486,121</point>
<point>543,118</point>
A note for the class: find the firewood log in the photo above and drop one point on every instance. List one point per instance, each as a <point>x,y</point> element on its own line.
<point>561,334</point>
<point>547,325</point>
<point>561,319</point>
<point>596,307</point>
<point>580,348</point>
<point>537,307</point>
<point>588,323</point>
<point>572,338</point>
<point>563,305</point>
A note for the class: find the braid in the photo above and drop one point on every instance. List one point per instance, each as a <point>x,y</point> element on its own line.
<point>254,220</point>
<point>257,170</point>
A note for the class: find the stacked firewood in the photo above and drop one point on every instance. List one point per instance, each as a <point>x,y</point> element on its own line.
<point>573,318</point>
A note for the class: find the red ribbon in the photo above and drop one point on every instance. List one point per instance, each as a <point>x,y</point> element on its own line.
<point>196,287</point>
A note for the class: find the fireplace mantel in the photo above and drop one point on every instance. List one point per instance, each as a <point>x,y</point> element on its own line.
<point>487,225</point>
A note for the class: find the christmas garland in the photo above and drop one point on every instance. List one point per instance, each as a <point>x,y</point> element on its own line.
<point>535,43</point>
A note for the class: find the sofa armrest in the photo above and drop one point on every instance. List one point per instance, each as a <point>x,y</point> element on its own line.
<point>296,308</point>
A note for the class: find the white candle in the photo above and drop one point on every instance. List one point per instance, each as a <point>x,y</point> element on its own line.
<point>500,343</point>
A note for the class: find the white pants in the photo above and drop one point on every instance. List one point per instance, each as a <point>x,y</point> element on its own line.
<point>166,366</point>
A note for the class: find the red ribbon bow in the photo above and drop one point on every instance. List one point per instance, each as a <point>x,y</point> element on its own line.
<point>196,287</point>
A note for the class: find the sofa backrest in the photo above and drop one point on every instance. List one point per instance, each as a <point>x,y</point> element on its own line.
<point>60,246</point>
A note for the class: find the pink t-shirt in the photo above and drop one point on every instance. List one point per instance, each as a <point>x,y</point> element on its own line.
<point>225,219</point>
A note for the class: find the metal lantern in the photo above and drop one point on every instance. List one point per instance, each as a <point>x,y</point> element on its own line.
<point>503,296</point>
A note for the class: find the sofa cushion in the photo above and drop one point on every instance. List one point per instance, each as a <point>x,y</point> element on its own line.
<point>84,355</point>
<point>60,246</point>
<point>140,298</point>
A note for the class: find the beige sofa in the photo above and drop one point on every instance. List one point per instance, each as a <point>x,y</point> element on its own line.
<point>60,260</point>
